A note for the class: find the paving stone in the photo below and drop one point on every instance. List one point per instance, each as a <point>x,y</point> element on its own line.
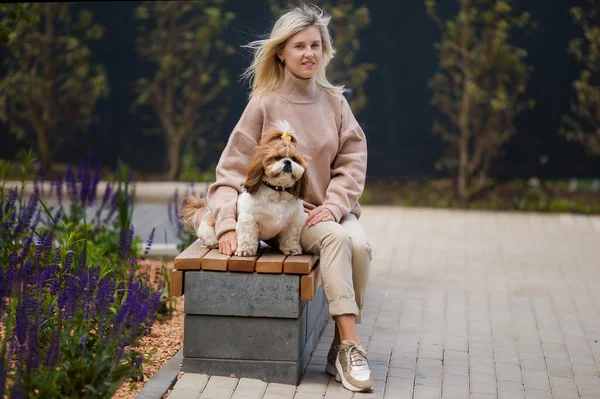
<point>192,382</point>
<point>532,394</point>
<point>285,390</point>
<point>184,394</point>
<point>502,296</point>
<point>249,388</point>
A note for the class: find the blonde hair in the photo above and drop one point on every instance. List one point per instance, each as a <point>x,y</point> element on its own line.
<point>266,72</point>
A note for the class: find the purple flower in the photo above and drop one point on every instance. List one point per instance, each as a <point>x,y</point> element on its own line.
<point>105,198</point>
<point>125,241</point>
<point>7,279</point>
<point>36,220</point>
<point>113,205</point>
<point>57,218</point>
<point>94,185</point>
<point>149,243</point>
<point>58,184</point>
<point>71,184</point>
<point>138,361</point>
<point>68,261</point>
<point>10,201</point>
<point>82,260</point>
<point>32,349</point>
<point>26,247</point>
<point>120,349</point>
<point>52,353</point>
<point>53,279</point>
<point>88,283</point>
<point>67,298</point>
<point>104,298</point>
<point>25,309</point>
<point>26,271</point>
<point>27,214</point>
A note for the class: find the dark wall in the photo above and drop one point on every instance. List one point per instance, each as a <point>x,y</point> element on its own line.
<point>398,118</point>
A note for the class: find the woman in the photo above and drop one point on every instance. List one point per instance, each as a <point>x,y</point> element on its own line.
<point>289,82</point>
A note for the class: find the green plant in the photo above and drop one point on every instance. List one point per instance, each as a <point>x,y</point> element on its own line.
<point>68,327</point>
<point>534,199</point>
<point>583,125</point>
<point>11,15</point>
<point>51,86</point>
<point>166,300</point>
<point>191,172</point>
<point>479,88</point>
<point>182,40</point>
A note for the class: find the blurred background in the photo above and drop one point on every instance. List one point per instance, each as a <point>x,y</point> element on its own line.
<point>482,104</point>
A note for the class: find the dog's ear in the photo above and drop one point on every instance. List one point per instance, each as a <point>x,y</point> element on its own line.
<point>255,172</point>
<point>301,186</point>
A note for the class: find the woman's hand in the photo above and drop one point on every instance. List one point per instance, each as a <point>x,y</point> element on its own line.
<point>228,243</point>
<point>318,215</point>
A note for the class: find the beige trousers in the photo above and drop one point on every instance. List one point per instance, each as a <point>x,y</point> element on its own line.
<point>345,256</point>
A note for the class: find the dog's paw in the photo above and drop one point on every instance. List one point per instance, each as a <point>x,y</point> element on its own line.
<point>245,250</point>
<point>291,251</point>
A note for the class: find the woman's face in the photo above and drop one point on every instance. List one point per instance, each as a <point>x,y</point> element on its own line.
<point>303,52</point>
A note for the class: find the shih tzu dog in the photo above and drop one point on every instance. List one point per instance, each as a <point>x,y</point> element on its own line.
<point>271,204</point>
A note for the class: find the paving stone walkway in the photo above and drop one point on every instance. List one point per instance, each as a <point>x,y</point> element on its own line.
<point>464,305</point>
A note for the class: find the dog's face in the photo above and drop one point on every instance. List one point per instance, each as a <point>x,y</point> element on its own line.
<point>283,164</point>
<point>279,162</point>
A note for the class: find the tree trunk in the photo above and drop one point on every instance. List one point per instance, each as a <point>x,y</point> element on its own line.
<point>174,155</point>
<point>44,150</point>
<point>463,117</point>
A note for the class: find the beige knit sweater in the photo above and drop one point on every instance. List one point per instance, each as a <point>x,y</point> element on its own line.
<point>326,131</point>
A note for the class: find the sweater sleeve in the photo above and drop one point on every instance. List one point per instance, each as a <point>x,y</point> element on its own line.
<point>349,167</point>
<point>232,168</point>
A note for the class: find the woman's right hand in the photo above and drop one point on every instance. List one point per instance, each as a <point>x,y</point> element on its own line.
<point>228,243</point>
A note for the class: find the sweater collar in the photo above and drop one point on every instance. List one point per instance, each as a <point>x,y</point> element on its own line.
<point>300,91</point>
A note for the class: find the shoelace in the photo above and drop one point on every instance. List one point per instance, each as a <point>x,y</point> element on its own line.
<point>358,357</point>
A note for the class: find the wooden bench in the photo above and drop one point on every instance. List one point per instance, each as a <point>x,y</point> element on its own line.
<point>256,317</point>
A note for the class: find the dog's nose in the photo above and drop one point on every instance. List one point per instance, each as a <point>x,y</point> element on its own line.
<point>287,162</point>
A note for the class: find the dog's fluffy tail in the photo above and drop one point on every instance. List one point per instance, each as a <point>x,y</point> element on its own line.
<point>192,211</point>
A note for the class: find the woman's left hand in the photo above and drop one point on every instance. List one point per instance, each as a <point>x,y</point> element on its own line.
<point>318,215</point>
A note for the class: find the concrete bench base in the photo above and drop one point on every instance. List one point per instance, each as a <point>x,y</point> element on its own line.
<point>244,338</point>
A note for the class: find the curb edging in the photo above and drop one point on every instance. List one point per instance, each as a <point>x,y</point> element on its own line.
<point>163,380</point>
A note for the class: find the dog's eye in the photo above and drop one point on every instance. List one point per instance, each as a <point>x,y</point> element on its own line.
<point>294,159</point>
<point>278,158</point>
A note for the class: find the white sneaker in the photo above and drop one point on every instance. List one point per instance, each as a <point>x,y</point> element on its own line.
<point>353,368</point>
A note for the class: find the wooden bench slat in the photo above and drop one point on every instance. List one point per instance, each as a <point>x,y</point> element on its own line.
<point>299,264</point>
<point>271,261</point>
<point>191,257</point>
<point>244,263</point>
<point>309,284</point>
<point>214,260</point>
<point>176,288</point>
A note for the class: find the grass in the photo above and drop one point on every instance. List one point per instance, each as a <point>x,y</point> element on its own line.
<point>533,195</point>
